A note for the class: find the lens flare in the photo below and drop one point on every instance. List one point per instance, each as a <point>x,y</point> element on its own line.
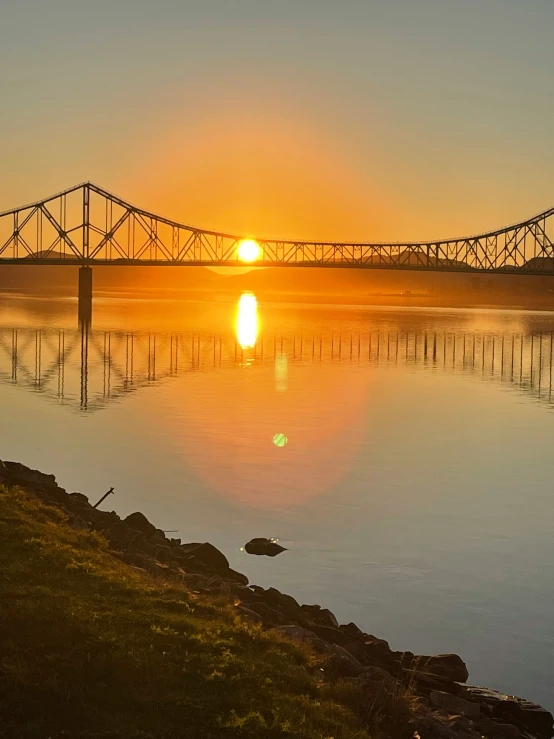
<point>281,373</point>
<point>247,321</point>
<point>249,251</point>
<point>280,440</point>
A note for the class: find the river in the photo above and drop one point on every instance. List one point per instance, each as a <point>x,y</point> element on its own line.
<point>402,455</point>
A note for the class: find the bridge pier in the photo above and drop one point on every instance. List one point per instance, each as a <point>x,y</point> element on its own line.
<point>85,294</point>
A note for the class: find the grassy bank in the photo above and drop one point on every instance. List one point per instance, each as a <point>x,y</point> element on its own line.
<point>91,647</point>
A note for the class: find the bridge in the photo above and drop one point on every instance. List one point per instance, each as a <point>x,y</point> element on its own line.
<point>86,370</point>
<point>87,226</point>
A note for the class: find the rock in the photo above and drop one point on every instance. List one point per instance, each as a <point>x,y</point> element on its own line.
<point>118,534</point>
<point>266,547</point>
<point>207,556</point>
<point>237,577</point>
<point>163,554</point>
<point>377,677</point>
<point>269,616</point>
<point>244,594</point>
<point>285,604</point>
<point>454,704</point>
<point>352,630</point>
<point>381,648</point>
<point>535,719</point>
<point>80,498</point>
<point>340,663</point>
<point>333,636</point>
<point>17,474</point>
<point>77,523</point>
<point>496,730</point>
<point>189,546</point>
<point>106,521</point>
<point>510,709</point>
<point>297,632</point>
<point>321,616</point>
<point>305,635</point>
<point>444,665</point>
<point>442,725</point>
<point>425,683</point>
<point>139,522</point>
<point>357,650</point>
<point>250,614</point>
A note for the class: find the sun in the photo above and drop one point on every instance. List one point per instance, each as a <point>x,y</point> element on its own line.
<point>249,251</point>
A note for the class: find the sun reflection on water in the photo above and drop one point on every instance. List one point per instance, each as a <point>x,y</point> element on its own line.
<point>247,321</point>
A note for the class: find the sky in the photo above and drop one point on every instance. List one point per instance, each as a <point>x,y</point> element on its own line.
<point>361,119</point>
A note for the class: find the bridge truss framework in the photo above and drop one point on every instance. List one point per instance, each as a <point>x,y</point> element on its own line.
<point>88,226</point>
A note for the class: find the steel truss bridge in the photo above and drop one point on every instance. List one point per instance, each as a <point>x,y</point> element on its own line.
<point>86,370</point>
<point>88,226</point>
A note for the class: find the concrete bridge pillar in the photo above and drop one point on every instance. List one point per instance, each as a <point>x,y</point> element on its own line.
<point>85,294</point>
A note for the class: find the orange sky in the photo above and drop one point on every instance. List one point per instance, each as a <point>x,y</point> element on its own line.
<point>364,120</point>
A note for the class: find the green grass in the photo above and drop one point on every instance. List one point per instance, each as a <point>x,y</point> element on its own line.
<point>90,647</point>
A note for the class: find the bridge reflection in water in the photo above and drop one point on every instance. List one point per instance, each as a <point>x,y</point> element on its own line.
<point>85,370</point>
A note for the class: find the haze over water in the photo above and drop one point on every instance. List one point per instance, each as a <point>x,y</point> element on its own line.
<point>414,490</point>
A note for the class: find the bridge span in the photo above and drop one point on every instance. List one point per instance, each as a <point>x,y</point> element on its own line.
<point>87,226</point>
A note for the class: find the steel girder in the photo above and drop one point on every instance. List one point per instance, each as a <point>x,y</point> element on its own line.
<point>86,225</point>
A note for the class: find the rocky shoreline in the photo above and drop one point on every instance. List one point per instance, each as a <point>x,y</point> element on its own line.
<point>453,708</point>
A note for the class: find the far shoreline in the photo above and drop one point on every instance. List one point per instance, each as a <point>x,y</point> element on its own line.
<point>544,304</point>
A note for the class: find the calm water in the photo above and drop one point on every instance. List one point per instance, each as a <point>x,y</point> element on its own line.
<point>415,490</point>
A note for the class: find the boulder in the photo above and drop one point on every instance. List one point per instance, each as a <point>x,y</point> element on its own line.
<point>377,652</point>
<point>454,704</point>
<point>425,683</point>
<point>357,649</point>
<point>340,663</point>
<point>189,546</point>
<point>331,635</point>
<point>77,523</point>
<point>206,556</point>
<point>353,630</point>
<point>538,721</point>
<point>79,498</point>
<point>267,547</point>
<point>322,616</point>
<point>297,632</point>
<point>509,709</point>
<point>443,665</point>
<point>249,614</point>
<point>15,473</point>
<point>139,522</point>
<point>285,604</point>
<point>496,730</point>
<point>117,534</point>
<point>163,554</point>
<point>268,615</point>
<point>305,635</point>
<point>376,677</point>
<point>237,577</point>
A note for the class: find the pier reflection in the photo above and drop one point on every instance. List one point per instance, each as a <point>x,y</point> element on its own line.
<point>85,370</point>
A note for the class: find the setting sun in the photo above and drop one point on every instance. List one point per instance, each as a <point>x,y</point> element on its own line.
<point>249,251</point>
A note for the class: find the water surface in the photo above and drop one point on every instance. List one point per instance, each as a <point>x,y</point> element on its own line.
<point>414,490</point>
